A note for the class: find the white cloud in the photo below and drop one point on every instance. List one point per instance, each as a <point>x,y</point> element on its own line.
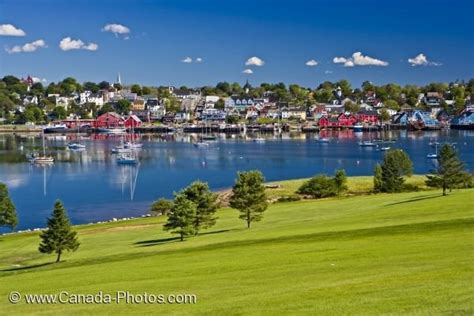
<point>26,48</point>
<point>357,59</point>
<point>421,60</point>
<point>199,60</point>
<point>36,79</point>
<point>248,71</point>
<point>69,44</point>
<point>187,60</point>
<point>254,61</point>
<point>10,30</point>
<point>117,29</point>
<point>311,63</point>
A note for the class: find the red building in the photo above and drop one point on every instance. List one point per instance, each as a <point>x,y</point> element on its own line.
<point>337,121</point>
<point>346,120</point>
<point>133,121</point>
<point>328,122</point>
<point>370,117</point>
<point>110,119</point>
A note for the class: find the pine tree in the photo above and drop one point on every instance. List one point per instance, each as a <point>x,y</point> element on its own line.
<point>182,216</point>
<point>340,179</point>
<point>249,196</point>
<point>8,216</point>
<point>59,236</point>
<point>378,178</point>
<point>449,172</point>
<point>395,166</point>
<point>206,206</point>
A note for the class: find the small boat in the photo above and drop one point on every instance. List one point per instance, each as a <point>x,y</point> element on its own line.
<point>126,160</point>
<point>259,140</point>
<point>384,148</point>
<point>201,144</point>
<point>208,137</point>
<point>367,144</point>
<point>120,149</point>
<point>115,130</point>
<point>435,155</point>
<point>323,140</point>
<point>41,159</point>
<point>434,144</point>
<point>357,128</point>
<point>76,146</point>
<point>132,145</point>
<point>57,128</point>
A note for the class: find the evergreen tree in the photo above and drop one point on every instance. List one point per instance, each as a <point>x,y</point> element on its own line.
<point>395,166</point>
<point>182,216</point>
<point>206,206</point>
<point>449,172</point>
<point>8,216</point>
<point>161,207</point>
<point>378,178</point>
<point>249,196</point>
<point>59,236</point>
<point>340,179</point>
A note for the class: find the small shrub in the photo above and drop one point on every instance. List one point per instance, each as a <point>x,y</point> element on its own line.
<point>289,198</point>
<point>320,186</point>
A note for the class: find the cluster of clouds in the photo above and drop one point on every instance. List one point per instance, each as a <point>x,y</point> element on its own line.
<point>253,61</point>
<point>421,60</point>
<point>357,59</point>
<point>189,60</point>
<point>66,44</point>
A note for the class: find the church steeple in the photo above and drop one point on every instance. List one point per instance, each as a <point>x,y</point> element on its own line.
<point>247,87</point>
<point>119,80</point>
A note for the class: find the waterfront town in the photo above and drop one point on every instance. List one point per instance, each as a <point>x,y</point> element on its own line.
<point>231,107</point>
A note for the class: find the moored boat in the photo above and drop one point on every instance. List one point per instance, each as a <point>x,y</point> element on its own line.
<point>114,130</point>
<point>367,144</point>
<point>125,159</point>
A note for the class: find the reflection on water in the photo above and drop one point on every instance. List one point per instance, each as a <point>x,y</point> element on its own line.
<point>94,187</point>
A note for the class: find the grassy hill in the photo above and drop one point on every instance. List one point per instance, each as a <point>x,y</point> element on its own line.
<point>408,253</point>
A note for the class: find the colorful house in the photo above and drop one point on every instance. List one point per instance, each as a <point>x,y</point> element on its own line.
<point>370,117</point>
<point>110,119</point>
<point>346,120</point>
<point>132,121</point>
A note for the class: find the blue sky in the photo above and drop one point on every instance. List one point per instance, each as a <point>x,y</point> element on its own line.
<point>225,34</point>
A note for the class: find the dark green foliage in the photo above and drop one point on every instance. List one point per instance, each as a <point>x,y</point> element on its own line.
<point>395,166</point>
<point>449,172</point>
<point>378,178</point>
<point>181,218</point>
<point>320,186</point>
<point>8,216</point>
<point>206,206</point>
<point>248,196</point>
<point>161,207</point>
<point>289,198</point>
<point>123,106</point>
<point>59,236</point>
<point>340,180</point>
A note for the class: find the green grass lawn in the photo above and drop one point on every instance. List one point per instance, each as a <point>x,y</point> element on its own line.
<point>407,253</point>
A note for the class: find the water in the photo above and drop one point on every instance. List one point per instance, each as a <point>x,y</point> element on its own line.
<point>94,188</point>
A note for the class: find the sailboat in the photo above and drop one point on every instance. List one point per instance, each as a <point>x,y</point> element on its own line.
<point>201,143</point>
<point>42,159</point>
<point>76,145</point>
<point>132,144</point>
<point>435,155</point>
<point>126,159</point>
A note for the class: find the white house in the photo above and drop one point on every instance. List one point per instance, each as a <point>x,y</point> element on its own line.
<point>96,98</point>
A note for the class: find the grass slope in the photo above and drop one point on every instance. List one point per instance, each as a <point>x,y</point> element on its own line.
<point>408,253</point>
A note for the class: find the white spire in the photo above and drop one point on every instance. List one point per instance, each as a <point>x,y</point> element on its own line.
<point>119,80</point>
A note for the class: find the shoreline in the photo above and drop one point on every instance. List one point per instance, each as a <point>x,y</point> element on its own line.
<point>358,185</point>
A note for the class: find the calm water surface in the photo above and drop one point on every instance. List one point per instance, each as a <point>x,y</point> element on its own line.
<point>94,188</point>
